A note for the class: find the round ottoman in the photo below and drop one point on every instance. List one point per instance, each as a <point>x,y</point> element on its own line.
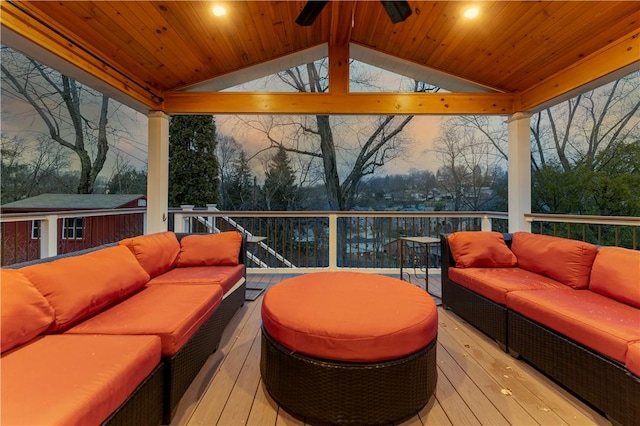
<point>349,347</point>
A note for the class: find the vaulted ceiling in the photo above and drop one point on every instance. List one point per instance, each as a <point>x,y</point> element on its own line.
<point>175,55</point>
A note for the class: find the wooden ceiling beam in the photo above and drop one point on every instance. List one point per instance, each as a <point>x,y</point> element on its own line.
<point>619,54</point>
<point>42,34</point>
<point>339,37</point>
<point>338,103</point>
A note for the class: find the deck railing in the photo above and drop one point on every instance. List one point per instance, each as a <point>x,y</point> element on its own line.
<point>337,240</point>
<point>306,241</point>
<point>619,231</point>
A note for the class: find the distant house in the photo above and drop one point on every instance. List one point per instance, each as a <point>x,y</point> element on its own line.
<point>21,240</point>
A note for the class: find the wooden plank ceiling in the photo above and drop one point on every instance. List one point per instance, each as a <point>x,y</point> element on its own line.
<point>525,53</point>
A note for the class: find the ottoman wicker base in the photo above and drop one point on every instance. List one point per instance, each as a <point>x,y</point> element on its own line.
<point>345,392</point>
<point>349,347</point>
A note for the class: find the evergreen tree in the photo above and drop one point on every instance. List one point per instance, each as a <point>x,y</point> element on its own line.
<point>239,192</point>
<point>193,166</point>
<point>280,190</point>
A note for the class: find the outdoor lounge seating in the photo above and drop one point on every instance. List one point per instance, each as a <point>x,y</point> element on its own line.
<point>568,307</point>
<point>102,338</point>
<point>348,347</point>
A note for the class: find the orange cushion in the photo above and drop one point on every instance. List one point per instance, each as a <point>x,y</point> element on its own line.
<point>173,312</point>
<point>73,380</point>
<point>633,358</point>
<point>156,253</point>
<point>79,286</point>
<point>25,312</point>
<point>495,283</point>
<point>212,249</point>
<point>598,322</point>
<point>480,250</point>
<point>225,276</point>
<point>565,260</point>
<point>349,316</point>
<point>616,273</point>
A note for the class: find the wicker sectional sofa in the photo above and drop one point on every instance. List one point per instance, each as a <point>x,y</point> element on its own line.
<point>115,335</point>
<point>569,308</point>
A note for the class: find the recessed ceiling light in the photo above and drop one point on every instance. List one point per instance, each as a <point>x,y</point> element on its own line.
<point>471,12</point>
<point>219,10</point>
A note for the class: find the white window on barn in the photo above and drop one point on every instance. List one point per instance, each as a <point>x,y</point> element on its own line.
<point>35,229</point>
<point>73,228</point>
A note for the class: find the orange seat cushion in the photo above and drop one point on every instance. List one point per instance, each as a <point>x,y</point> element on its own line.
<point>25,312</point>
<point>595,321</point>
<point>157,253</point>
<point>213,249</point>
<point>349,316</point>
<point>173,312</point>
<point>79,286</point>
<point>564,260</point>
<point>73,380</point>
<point>495,283</point>
<point>633,358</point>
<point>616,274</point>
<point>225,276</point>
<point>476,249</point>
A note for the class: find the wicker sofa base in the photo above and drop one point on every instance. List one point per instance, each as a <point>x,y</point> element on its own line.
<point>486,315</point>
<point>144,405</point>
<point>182,368</point>
<point>227,309</point>
<point>599,381</point>
<point>348,393</point>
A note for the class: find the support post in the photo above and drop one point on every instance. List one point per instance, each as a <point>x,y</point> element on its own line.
<point>211,220</point>
<point>158,173</point>
<point>519,151</point>
<point>486,223</point>
<point>333,242</point>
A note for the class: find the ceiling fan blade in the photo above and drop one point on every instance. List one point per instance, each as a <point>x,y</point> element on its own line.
<point>310,12</point>
<point>398,11</point>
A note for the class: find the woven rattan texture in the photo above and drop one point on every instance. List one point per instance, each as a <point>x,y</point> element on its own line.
<point>602,382</point>
<point>144,405</point>
<point>182,368</point>
<point>487,316</point>
<point>226,310</point>
<point>348,393</point>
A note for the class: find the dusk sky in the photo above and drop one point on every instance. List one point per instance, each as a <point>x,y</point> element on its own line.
<point>18,119</point>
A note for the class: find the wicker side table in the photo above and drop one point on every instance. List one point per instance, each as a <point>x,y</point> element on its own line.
<point>316,382</point>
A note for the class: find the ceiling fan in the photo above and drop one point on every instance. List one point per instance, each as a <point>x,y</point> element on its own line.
<point>398,11</point>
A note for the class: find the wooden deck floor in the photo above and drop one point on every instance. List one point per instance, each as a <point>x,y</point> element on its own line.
<point>477,382</point>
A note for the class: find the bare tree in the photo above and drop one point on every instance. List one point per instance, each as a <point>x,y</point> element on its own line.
<point>585,130</point>
<point>469,166</point>
<point>579,131</point>
<point>30,168</point>
<point>343,149</point>
<point>75,117</point>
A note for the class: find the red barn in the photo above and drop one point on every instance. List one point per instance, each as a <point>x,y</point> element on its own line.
<point>21,239</point>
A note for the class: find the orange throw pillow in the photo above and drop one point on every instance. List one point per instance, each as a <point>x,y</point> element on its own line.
<point>565,260</point>
<point>477,249</point>
<point>208,250</point>
<point>25,312</point>
<point>79,286</point>
<point>616,274</point>
<point>156,253</point>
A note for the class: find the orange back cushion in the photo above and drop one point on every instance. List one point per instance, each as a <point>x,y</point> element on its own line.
<point>156,253</point>
<point>474,249</point>
<point>79,286</point>
<point>564,260</point>
<point>25,312</point>
<point>212,249</point>
<point>616,274</point>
